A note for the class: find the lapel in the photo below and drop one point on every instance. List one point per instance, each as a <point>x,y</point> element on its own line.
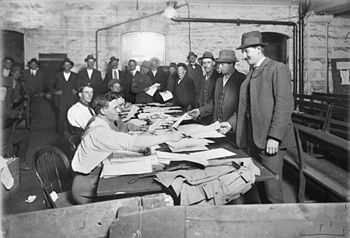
<point>258,71</point>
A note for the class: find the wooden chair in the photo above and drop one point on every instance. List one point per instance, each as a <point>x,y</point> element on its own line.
<point>53,171</point>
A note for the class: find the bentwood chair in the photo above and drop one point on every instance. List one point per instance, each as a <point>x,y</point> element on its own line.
<point>53,171</point>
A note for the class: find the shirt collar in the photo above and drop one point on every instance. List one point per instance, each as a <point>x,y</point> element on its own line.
<point>259,62</point>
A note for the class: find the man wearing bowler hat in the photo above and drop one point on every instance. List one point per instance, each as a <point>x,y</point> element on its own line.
<point>91,76</point>
<point>33,79</point>
<point>195,72</point>
<point>65,87</point>
<point>114,73</point>
<point>206,95</point>
<point>227,92</point>
<point>264,122</point>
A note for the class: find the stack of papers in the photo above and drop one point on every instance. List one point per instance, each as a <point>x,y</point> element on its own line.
<point>152,89</point>
<point>200,131</point>
<point>202,157</point>
<point>189,144</point>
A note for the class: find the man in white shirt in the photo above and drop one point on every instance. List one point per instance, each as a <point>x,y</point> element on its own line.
<point>80,113</point>
<point>99,141</point>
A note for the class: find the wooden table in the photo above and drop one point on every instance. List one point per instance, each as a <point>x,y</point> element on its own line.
<point>122,186</point>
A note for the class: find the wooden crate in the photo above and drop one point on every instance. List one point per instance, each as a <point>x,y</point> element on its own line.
<point>13,165</point>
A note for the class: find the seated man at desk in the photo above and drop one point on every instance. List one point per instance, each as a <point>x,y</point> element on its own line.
<point>100,139</point>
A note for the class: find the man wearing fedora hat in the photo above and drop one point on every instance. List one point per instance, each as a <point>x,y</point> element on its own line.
<point>114,73</point>
<point>33,79</point>
<point>225,103</point>
<point>195,71</point>
<point>141,83</point>
<point>65,86</point>
<point>264,122</point>
<point>91,76</point>
<point>206,95</point>
<point>172,77</point>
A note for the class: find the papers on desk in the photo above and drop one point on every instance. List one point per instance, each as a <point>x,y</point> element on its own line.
<point>133,110</point>
<point>152,89</point>
<point>200,131</point>
<point>202,157</point>
<point>189,144</point>
<point>167,95</point>
<point>185,116</point>
<point>126,162</point>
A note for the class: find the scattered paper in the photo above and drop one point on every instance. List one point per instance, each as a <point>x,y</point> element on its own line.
<point>54,196</point>
<point>167,95</point>
<point>152,89</point>
<point>6,177</point>
<point>155,125</point>
<point>31,198</point>
<point>137,122</point>
<point>344,75</point>
<point>133,110</point>
<point>185,116</point>
<point>133,166</point>
<point>189,144</point>
<point>200,131</point>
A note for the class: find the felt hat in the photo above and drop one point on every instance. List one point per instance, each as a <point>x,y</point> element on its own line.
<point>227,56</point>
<point>172,64</point>
<point>90,57</point>
<point>146,64</point>
<point>33,60</point>
<point>252,38</point>
<point>113,59</point>
<point>69,61</point>
<point>191,54</point>
<point>182,65</point>
<point>207,55</point>
<point>113,81</point>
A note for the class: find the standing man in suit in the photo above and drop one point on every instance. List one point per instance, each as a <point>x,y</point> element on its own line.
<point>91,76</point>
<point>226,93</point>
<point>206,96</point>
<point>184,88</point>
<point>141,83</point>
<point>33,79</point>
<point>7,64</point>
<point>157,75</point>
<point>114,73</point>
<point>264,121</point>
<point>195,72</point>
<point>172,77</point>
<point>129,96</point>
<point>65,86</point>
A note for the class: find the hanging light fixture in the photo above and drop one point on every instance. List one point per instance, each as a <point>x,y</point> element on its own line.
<point>170,11</point>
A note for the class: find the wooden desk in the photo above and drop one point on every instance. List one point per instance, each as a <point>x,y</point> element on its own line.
<point>121,186</point>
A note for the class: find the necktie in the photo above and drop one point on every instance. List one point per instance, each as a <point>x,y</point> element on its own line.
<point>114,74</point>
<point>32,72</point>
<point>91,112</point>
<point>89,108</point>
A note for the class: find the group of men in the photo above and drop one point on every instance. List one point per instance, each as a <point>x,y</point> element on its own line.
<point>254,110</point>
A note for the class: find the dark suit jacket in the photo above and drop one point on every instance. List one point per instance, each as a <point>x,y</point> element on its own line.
<point>206,97</point>
<point>95,82</point>
<point>60,83</point>
<point>183,93</point>
<point>196,74</point>
<point>139,83</point>
<point>271,105</point>
<point>160,78</point>
<point>33,84</point>
<point>109,77</point>
<point>226,99</point>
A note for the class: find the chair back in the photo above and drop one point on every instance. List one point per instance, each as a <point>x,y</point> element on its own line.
<point>53,171</point>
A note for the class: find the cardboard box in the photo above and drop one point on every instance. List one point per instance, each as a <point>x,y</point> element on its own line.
<point>13,164</point>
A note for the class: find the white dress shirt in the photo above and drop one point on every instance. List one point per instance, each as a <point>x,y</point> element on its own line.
<point>226,78</point>
<point>79,115</point>
<point>33,72</point>
<point>66,75</point>
<point>259,63</point>
<point>98,142</point>
<point>133,72</point>
<point>6,72</point>
<point>154,72</point>
<point>89,71</point>
<point>115,74</point>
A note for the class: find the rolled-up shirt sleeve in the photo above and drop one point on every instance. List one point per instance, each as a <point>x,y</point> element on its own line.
<point>111,140</point>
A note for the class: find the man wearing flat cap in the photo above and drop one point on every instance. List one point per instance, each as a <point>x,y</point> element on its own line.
<point>195,72</point>
<point>226,93</point>
<point>264,123</point>
<point>141,83</point>
<point>206,95</point>
<point>91,76</point>
<point>114,73</point>
<point>33,79</point>
<point>65,86</point>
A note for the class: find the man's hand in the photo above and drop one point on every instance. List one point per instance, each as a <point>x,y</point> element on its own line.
<point>194,113</point>
<point>272,146</point>
<point>225,127</point>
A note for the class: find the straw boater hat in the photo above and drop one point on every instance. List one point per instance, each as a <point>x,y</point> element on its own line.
<point>207,55</point>
<point>252,38</point>
<point>69,61</point>
<point>90,57</point>
<point>227,56</point>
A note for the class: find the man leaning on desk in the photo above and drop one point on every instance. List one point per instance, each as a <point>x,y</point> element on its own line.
<point>100,139</point>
